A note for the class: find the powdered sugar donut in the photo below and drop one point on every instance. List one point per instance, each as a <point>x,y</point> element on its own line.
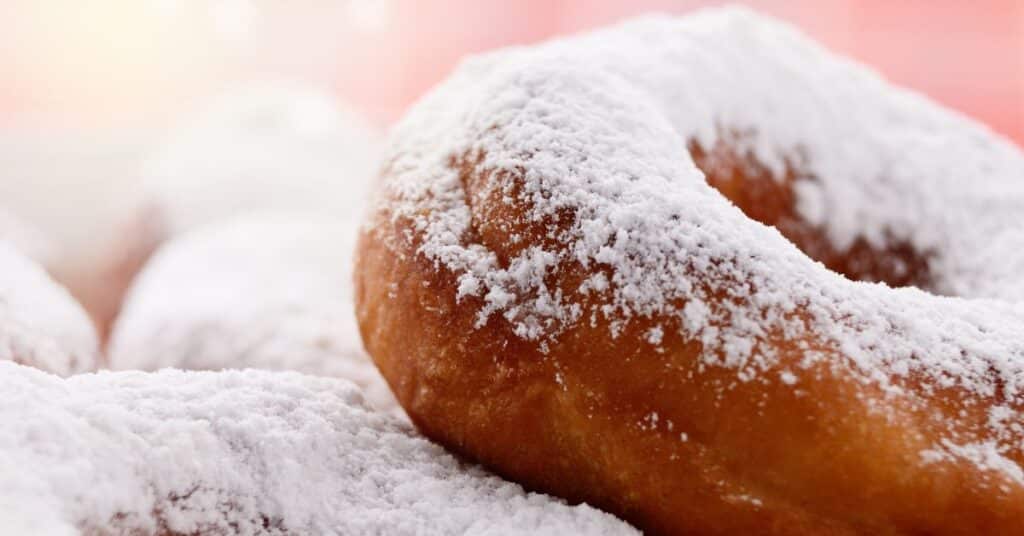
<point>270,147</point>
<point>551,287</point>
<point>267,291</point>
<point>75,185</point>
<point>100,283</point>
<point>40,324</point>
<point>248,452</point>
<point>27,239</point>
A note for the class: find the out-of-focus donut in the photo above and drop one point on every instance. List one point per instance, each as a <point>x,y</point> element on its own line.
<point>75,186</point>
<point>40,323</point>
<point>27,239</point>
<point>267,291</point>
<point>552,288</point>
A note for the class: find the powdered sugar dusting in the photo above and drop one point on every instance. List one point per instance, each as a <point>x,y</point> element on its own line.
<point>40,323</point>
<point>597,126</point>
<point>242,453</point>
<point>270,291</point>
<point>987,456</point>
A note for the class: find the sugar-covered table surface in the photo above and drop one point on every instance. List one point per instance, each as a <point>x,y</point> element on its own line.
<point>241,452</point>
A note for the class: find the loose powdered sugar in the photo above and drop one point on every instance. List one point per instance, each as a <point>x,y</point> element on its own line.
<point>597,126</point>
<point>241,453</point>
<point>40,323</point>
<point>269,291</point>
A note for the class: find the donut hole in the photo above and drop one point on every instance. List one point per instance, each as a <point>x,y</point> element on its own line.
<point>771,200</point>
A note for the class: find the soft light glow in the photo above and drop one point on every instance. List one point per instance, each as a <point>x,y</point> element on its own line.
<point>234,20</point>
<point>369,15</point>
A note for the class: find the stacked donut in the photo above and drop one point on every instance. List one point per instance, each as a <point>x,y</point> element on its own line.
<point>572,277</point>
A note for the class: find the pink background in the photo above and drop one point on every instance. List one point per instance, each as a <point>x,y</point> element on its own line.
<point>141,62</point>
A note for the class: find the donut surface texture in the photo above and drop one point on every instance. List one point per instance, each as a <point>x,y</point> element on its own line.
<point>552,284</point>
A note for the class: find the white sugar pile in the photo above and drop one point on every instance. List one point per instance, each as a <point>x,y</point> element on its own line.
<point>267,291</point>
<point>597,127</point>
<point>40,324</point>
<point>241,453</point>
<point>263,147</point>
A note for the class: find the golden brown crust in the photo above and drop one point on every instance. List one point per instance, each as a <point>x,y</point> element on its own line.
<point>656,437</point>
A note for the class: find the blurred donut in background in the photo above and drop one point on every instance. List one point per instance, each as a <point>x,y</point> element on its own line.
<point>70,188</point>
<point>272,146</point>
<point>40,324</point>
<point>271,291</point>
<point>262,147</point>
<point>29,240</point>
<point>242,453</point>
<point>100,281</point>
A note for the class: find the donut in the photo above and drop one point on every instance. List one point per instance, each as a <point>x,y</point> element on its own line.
<point>704,274</point>
<point>40,324</point>
<point>269,291</point>
<point>259,148</point>
<point>77,186</point>
<point>262,147</point>
<point>27,239</point>
<point>241,452</point>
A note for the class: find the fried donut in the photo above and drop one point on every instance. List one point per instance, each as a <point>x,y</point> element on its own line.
<point>263,291</point>
<point>40,324</point>
<point>241,452</point>
<point>552,286</point>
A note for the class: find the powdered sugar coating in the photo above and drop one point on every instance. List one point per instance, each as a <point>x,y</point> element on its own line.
<point>270,291</point>
<point>597,127</point>
<point>266,146</point>
<point>241,453</point>
<point>40,323</point>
